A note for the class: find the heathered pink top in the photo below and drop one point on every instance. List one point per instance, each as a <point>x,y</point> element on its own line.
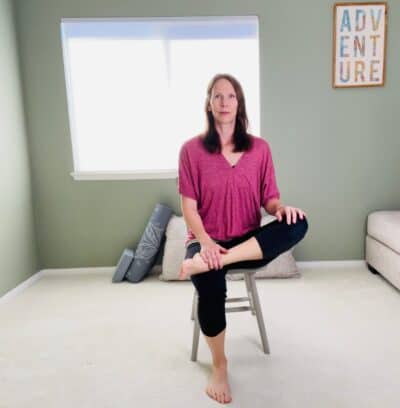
<point>229,198</point>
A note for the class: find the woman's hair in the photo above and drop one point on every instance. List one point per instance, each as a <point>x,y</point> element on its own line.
<point>241,138</point>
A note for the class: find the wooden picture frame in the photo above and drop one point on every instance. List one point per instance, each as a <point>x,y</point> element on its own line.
<point>359,44</point>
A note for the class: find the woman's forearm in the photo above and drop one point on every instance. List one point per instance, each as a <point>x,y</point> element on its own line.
<point>195,223</point>
<point>272,205</point>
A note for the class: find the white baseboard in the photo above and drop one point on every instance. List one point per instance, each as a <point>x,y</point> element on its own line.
<point>73,271</point>
<point>102,269</point>
<point>157,270</point>
<point>330,264</point>
<point>21,287</point>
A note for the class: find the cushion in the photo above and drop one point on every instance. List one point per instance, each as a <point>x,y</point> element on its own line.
<point>149,244</point>
<point>174,248</point>
<point>384,226</point>
<point>284,266</point>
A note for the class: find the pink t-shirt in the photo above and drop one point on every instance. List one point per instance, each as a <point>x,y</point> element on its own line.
<point>229,198</point>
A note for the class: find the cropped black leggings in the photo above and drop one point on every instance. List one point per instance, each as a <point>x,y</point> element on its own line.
<point>274,239</point>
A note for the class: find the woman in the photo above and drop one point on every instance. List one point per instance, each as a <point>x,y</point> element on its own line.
<point>225,176</point>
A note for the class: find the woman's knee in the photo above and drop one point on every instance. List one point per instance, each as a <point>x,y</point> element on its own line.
<point>211,314</point>
<point>211,284</point>
<point>299,229</point>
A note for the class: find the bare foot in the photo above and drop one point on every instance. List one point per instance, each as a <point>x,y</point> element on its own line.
<point>193,266</point>
<point>218,386</point>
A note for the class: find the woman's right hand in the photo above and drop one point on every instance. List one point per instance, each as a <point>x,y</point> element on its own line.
<point>210,252</point>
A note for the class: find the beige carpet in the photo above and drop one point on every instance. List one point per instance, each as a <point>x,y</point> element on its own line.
<point>77,340</point>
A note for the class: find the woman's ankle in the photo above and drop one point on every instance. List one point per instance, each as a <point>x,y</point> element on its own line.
<point>223,363</point>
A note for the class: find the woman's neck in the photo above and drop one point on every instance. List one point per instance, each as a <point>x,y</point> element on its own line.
<point>225,132</point>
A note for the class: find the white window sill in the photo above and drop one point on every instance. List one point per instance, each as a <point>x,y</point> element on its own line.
<point>120,175</point>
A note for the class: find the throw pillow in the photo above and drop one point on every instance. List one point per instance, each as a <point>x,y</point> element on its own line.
<point>284,266</point>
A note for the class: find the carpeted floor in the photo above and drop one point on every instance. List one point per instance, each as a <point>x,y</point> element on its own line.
<point>77,340</point>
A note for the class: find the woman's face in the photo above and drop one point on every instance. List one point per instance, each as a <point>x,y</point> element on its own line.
<point>223,102</point>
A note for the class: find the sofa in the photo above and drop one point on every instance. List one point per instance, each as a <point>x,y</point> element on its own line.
<point>382,245</point>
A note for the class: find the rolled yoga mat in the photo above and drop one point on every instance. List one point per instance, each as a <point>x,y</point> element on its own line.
<point>149,244</point>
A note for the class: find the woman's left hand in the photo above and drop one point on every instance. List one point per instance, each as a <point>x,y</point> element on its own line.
<point>290,212</point>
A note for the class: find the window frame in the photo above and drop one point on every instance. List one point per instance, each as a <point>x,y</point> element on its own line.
<point>124,175</point>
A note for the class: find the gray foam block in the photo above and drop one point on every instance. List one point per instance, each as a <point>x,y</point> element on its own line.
<point>123,265</point>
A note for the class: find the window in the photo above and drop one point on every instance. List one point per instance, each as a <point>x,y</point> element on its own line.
<point>136,87</point>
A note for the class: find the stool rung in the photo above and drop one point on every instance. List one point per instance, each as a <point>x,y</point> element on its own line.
<point>241,299</point>
<point>237,309</point>
<point>253,306</point>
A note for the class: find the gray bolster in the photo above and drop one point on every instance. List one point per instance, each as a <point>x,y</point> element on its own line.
<point>149,243</point>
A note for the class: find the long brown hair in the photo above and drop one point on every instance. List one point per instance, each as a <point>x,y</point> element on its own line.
<point>241,138</point>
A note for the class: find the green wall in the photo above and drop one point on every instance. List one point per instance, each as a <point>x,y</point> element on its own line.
<point>336,151</point>
<point>17,237</point>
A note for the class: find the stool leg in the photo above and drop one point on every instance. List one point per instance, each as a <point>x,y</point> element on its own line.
<point>196,328</point>
<point>260,319</point>
<point>249,294</point>
<point>193,305</point>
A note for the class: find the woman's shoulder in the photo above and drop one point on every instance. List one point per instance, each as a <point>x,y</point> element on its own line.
<point>193,144</point>
<point>260,143</point>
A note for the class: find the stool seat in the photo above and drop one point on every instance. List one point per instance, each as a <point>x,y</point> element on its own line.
<point>253,306</point>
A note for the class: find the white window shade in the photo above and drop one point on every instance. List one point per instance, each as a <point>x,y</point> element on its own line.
<point>136,89</point>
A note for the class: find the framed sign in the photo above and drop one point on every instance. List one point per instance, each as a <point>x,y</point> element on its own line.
<point>359,44</point>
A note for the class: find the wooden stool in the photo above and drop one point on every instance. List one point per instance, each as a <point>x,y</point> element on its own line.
<point>254,307</point>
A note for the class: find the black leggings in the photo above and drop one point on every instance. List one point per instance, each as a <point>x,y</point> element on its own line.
<point>274,239</point>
